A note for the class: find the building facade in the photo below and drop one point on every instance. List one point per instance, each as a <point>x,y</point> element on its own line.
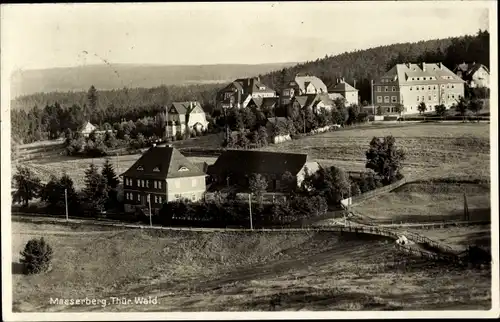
<point>180,115</point>
<point>302,86</point>
<point>350,94</point>
<point>239,93</point>
<point>476,75</point>
<point>235,167</point>
<point>162,174</point>
<point>411,84</point>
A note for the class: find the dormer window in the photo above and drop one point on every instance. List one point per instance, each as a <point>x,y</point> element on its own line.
<point>140,168</point>
<point>182,169</point>
<point>156,169</point>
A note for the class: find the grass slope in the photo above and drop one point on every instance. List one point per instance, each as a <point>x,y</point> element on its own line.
<point>191,271</point>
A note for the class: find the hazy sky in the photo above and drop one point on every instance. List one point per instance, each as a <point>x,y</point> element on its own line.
<point>42,36</point>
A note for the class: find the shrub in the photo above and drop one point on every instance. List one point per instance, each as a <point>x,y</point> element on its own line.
<point>37,256</point>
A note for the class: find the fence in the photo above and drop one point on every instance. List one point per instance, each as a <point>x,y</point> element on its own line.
<point>373,193</point>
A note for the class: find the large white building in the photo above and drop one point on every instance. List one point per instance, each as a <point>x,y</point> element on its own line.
<point>411,84</point>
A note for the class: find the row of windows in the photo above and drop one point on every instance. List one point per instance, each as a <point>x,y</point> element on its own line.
<point>431,87</point>
<point>423,78</point>
<point>143,183</point>
<point>392,99</point>
<point>137,196</point>
<point>386,89</point>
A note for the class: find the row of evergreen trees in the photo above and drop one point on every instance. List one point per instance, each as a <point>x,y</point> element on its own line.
<point>99,194</point>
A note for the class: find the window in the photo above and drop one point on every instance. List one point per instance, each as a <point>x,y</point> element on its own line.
<point>418,78</point>
<point>140,168</point>
<point>435,97</point>
<point>386,99</point>
<point>386,89</point>
<point>417,88</point>
<point>147,183</point>
<point>193,197</point>
<point>418,98</point>
<point>448,86</point>
<point>193,183</point>
<point>138,197</point>
<point>425,78</point>
<point>442,85</point>
<point>430,98</point>
<point>423,98</point>
<point>379,99</point>
<point>160,199</point>
<point>429,88</point>
<point>379,88</point>
<point>155,185</point>
<point>156,169</point>
<point>138,182</point>
<point>156,199</point>
<point>410,88</point>
<point>393,88</point>
<point>452,86</point>
<point>434,87</point>
<point>182,169</point>
<point>394,99</point>
<point>159,184</point>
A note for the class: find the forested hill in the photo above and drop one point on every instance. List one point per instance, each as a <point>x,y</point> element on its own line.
<point>114,76</point>
<point>364,65</point>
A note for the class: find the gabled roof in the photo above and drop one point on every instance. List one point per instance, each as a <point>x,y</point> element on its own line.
<point>306,100</point>
<point>87,125</point>
<point>265,101</point>
<point>469,68</point>
<point>303,81</point>
<point>402,74</point>
<point>342,87</point>
<point>253,85</point>
<point>169,162</point>
<point>325,98</point>
<point>185,107</point>
<point>247,162</point>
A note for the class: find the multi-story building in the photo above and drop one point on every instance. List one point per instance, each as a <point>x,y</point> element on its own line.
<point>411,84</point>
<point>161,174</point>
<point>349,93</point>
<point>182,114</point>
<point>476,75</point>
<point>240,92</point>
<point>302,86</point>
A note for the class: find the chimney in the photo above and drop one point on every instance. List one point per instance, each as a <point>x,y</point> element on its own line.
<point>423,66</point>
<point>354,83</point>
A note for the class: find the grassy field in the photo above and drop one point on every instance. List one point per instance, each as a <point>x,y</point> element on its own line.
<point>428,202</point>
<point>459,237</point>
<point>189,271</point>
<point>434,150</point>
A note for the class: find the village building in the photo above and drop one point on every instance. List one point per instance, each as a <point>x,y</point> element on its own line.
<point>162,174</point>
<point>235,167</point>
<point>302,85</point>
<point>185,114</point>
<point>410,84</point>
<point>475,74</point>
<point>87,128</point>
<point>239,93</point>
<point>346,91</point>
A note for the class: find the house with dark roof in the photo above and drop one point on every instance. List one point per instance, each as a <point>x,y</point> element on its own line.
<point>314,102</point>
<point>235,167</point>
<point>349,93</point>
<point>185,114</point>
<point>476,75</point>
<point>161,174</point>
<point>239,93</point>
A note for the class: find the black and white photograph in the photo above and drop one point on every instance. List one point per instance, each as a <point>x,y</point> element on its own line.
<point>249,160</point>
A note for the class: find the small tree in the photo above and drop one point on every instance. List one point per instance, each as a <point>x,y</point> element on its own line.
<point>332,183</point>
<point>288,182</point>
<point>421,107</point>
<point>27,185</point>
<point>440,110</point>
<point>475,105</point>
<point>379,110</point>
<point>399,108</point>
<point>385,158</point>
<point>109,174</point>
<point>461,107</point>
<point>36,256</point>
<point>96,189</point>
<point>258,185</point>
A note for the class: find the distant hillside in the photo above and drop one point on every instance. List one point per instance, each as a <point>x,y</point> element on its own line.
<point>116,76</point>
<point>365,65</point>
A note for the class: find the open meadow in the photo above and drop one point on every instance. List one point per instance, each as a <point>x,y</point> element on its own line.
<point>426,201</point>
<point>260,271</point>
<point>433,150</point>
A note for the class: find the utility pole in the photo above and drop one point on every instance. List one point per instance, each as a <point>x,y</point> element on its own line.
<point>66,202</point>
<point>250,207</point>
<point>150,215</point>
<point>373,103</point>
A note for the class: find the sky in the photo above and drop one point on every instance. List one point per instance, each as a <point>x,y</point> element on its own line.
<point>62,35</point>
